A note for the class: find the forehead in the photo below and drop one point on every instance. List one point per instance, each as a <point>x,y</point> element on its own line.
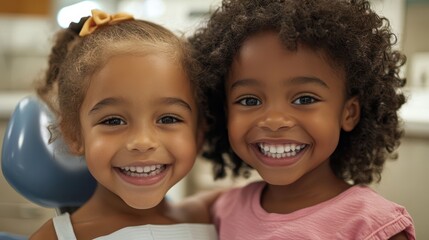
<point>264,53</point>
<point>142,78</point>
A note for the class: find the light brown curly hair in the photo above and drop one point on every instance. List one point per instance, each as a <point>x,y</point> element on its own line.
<point>73,60</point>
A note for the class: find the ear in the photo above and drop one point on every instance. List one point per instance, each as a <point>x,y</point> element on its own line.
<point>351,114</point>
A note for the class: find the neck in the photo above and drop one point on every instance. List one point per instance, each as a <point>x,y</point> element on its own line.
<point>316,186</point>
<point>105,213</point>
<point>105,204</point>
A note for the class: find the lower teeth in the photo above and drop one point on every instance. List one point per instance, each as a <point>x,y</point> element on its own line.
<point>280,155</point>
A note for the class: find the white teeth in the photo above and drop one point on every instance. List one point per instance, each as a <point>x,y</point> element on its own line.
<point>280,150</point>
<point>149,170</point>
<point>266,148</point>
<point>135,174</point>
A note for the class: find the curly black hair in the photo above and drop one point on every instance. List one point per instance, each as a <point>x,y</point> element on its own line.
<point>354,38</point>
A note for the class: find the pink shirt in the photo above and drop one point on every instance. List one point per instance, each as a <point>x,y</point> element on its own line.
<point>357,213</point>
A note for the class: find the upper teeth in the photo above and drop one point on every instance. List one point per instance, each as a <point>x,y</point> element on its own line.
<point>142,169</point>
<point>280,148</point>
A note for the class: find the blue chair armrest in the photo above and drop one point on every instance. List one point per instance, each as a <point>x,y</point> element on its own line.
<point>44,173</point>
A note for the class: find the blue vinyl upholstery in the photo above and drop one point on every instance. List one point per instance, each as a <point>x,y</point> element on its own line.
<point>44,173</point>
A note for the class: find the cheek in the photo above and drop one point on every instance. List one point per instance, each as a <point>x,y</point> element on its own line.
<point>98,152</point>
<point>325,131</point>
<point>237,128</point>
<point>183,146</point>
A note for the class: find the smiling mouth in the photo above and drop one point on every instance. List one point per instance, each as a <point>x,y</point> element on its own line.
<point>280,150</point>
<point>143,171</point>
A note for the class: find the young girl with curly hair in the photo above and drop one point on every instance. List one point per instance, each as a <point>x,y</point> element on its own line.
<point>306,92</point>
<point>126,97</point>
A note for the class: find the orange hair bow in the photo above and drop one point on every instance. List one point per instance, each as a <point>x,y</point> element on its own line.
<point>100,18</point>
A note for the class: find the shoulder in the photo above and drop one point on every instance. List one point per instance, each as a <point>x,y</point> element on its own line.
<point>364,199</point>
<point>373,215</point>
<point>46,232</point>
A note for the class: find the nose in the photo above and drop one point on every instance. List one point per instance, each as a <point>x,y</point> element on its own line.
<point>276,120</point>
<point>143,139</point>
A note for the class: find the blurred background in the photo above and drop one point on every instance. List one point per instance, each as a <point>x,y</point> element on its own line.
<point>26,33</point>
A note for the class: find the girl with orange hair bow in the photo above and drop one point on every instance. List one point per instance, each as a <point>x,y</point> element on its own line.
<point>127,101</point>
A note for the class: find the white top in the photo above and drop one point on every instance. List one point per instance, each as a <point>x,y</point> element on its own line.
<point>64,230</point>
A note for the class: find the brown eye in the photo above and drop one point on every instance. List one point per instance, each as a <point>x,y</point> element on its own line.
<point>304,100</point>
<point>169,120</point>
<point>249,101</point>
<point>113,121</point>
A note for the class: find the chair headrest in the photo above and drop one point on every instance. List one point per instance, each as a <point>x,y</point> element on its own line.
<point>44,173</point>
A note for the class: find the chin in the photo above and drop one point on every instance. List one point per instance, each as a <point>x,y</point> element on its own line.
<point>278,181</point>
<point>142,204</point>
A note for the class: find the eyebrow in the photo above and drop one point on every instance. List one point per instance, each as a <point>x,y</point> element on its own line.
<point>115,101</point>
<point>244,83</point>
<point>175,101</point>
<point>306,80</point>
<point>103,103</point>
<point>293,81</point>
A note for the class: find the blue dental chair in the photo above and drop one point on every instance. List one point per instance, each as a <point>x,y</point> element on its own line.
<point>44,173</point>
